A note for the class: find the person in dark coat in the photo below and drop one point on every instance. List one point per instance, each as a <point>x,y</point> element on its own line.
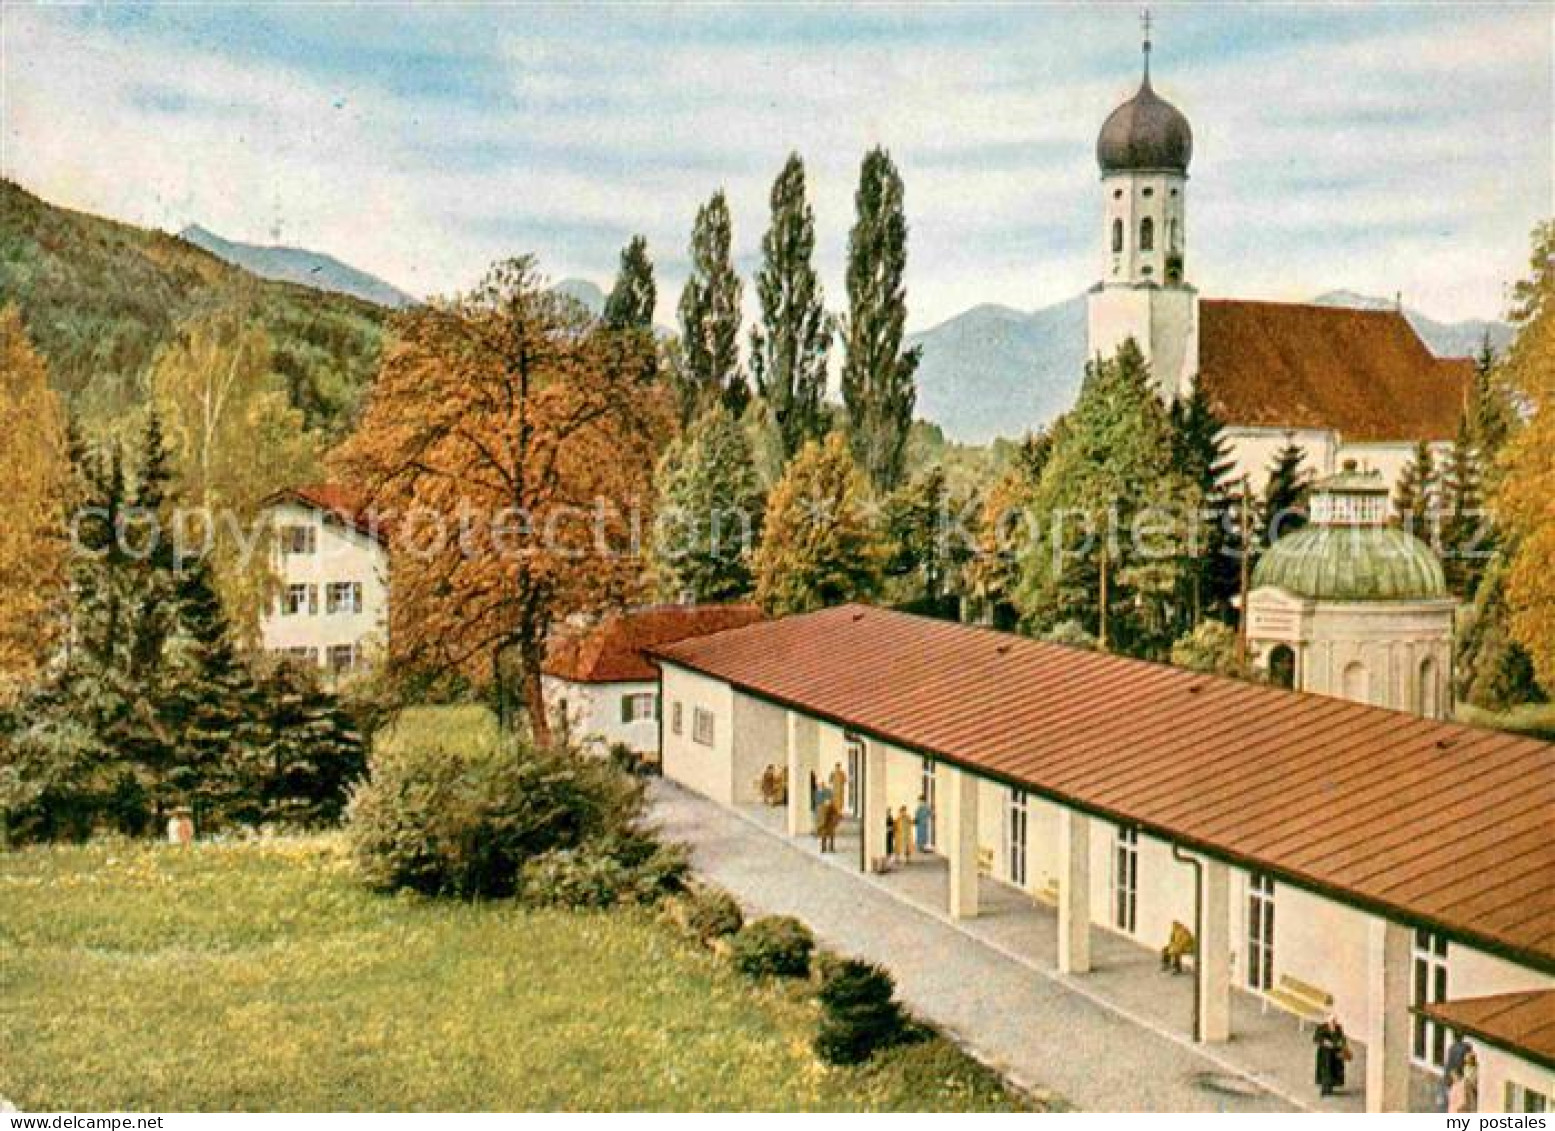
<point>890,836</point>
<point>1333,1049</point>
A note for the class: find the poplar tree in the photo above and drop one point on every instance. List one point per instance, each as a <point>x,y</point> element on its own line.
<point>710,311</point>
<point>790,346</point>
<point>632,300</point>
<point>878,375</point>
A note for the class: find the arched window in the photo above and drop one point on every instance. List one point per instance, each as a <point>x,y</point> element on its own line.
<point>1427,697</point>
<point>1282,666</point>
<point>1117,236</point>
<point>1147,234</point>
<point>1355,682</point>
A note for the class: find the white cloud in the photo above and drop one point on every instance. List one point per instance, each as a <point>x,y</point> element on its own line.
<point>1411,162</point>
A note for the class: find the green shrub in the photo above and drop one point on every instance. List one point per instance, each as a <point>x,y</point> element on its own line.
<point>462,821</point>
<point>777,945</point>
<point>574,877</point>
<point>858,1014</point>
<point>621,869</point>
<point>712,913</point>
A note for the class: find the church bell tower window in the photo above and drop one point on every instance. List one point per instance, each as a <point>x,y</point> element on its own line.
<point>1117,237</point>
<point>1147,234</point>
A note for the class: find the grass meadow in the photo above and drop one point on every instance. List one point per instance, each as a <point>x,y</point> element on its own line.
<point>141,976</point>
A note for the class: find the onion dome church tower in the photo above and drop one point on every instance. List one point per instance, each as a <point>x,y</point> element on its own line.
<point>1353,607</point>
<point>1143,151</point>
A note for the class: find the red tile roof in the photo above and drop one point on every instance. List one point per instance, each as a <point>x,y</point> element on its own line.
<point>333,499</point>
<point>1437,824</point>
<point>1363,373</point>
<point>1522,1022</point>
<point>612,651</point>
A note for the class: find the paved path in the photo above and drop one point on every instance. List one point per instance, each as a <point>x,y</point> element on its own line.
<point>1043,1030</point>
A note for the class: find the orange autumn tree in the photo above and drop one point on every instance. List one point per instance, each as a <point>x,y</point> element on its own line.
<point>35,468</point>
<point>508,447</point>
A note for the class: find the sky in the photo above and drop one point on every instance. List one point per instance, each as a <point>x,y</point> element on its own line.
<point>1384,148</point>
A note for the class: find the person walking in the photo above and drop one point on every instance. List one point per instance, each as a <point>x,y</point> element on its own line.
<point>822,801</point>
<point>923,824</point>
<point>904,833</point>
<point>1333,1049</point>
<point>831,817</point>
<point>891,847</point>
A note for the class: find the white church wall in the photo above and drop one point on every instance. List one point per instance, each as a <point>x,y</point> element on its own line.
<point>1253,451</point>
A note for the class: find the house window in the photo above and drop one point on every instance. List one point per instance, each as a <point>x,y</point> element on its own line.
<point>343,597</point>
<point>1147,234</point>
<point>1521,1098</point>
<point>1018,817</point>
<point>300,599</point>
<point>677,717</point>
<point>299,539</point>
<point>638,707</point>
<point>342,658</point>
<point>1117,236</point>
<point>1149,192</point>
<point>1125,880</point>
<point>1260,931</point>
<point>1429,986</point>
<point>702,726</point>
<point>931,795</point>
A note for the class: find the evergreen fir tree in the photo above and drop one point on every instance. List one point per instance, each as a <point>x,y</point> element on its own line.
<point>710,504</point>
<point>1415,497</point>
<point>1201,454</point>
<point>208,710</point>
<point>790,346</point>
<point>1466,536</point>
<point>1283,508</point>
<point>710,312</point>
<point>923,564</point>
<point>150,528</point>
<point>1493,670</point>
<point>634,296</point>
<point>877,375</point>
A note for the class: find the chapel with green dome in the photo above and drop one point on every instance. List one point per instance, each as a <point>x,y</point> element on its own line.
<point>1353,606</point>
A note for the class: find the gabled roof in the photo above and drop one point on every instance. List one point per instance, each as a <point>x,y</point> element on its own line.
<point>613,650</point>
<point>1522,1022</point>
<point>1437,824</point>
<point>1363,373</point>
<point>335,500</point>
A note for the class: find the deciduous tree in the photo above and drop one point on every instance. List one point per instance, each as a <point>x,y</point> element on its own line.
<point>821,546</point>
<point>34,543</point>
<point>513,441</point>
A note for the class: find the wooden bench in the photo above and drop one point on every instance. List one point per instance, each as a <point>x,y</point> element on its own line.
<point>1306,1001</point>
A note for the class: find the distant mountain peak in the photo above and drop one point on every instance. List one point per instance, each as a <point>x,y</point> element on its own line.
<point>300,266</point>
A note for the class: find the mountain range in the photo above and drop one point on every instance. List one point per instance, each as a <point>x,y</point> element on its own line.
<point>299,265</point>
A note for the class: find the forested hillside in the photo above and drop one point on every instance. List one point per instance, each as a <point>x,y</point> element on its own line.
<point>99,298</point>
